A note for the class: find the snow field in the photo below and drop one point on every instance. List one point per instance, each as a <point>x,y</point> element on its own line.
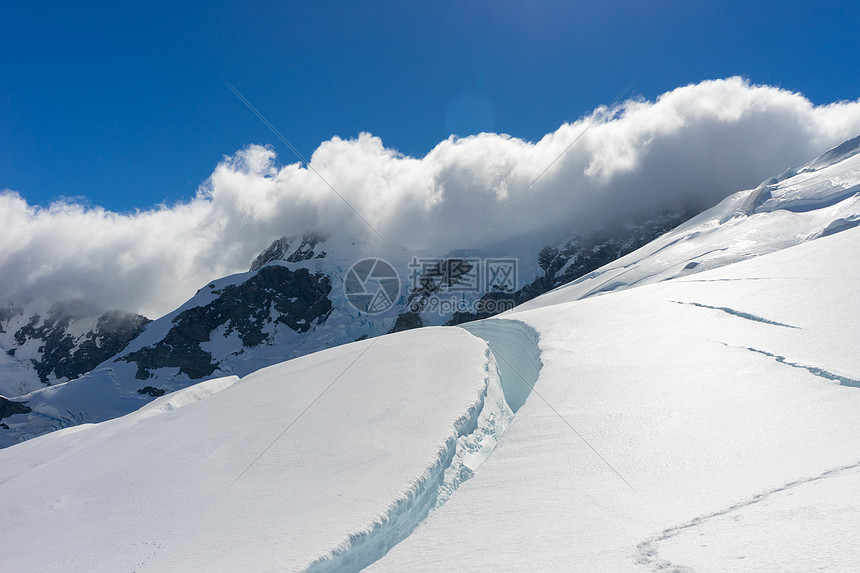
<point>214,478</point>
<point>671,398</point>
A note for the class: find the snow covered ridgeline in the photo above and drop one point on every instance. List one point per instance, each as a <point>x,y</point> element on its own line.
<point>408,418</point>
<point>710,432</point>
<point>725,397</point>
<point>818,199</point>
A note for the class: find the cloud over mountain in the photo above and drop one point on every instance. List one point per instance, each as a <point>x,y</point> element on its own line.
<point>695,144</point>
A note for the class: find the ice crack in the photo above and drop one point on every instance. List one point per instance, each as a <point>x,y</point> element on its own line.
<point>814,370</point>
<point>476,435</point>
<point>737,313</point>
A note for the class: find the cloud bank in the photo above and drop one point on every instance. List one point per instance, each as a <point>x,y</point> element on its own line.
<point>696,143</point>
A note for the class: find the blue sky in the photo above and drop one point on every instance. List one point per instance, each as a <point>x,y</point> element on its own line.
<point>124,104</point>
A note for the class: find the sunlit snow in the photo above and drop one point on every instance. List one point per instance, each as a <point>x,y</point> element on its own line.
<point>692,406</point>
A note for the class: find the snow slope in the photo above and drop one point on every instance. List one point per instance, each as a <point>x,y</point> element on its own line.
<point>706,422</point>
<point>216,477</point>
<point>818,199</point>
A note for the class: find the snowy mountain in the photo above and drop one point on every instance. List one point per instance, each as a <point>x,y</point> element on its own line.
<point>43,345</point>
<point>818,199</point>
<point>691,406</point>
<point>295,300</point>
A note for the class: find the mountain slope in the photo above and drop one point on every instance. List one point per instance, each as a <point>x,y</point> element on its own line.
<point>43,345</point>
<point>294,302</point>
<point>819,199</point>
<point>237,458</point>
<point>619,432</point>
<point>705,422</point>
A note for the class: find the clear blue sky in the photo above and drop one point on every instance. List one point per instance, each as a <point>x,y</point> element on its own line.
<point>124,103</point>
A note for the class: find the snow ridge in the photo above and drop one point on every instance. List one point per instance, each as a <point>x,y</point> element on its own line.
<point>475,436</point>
<point>188,395</point>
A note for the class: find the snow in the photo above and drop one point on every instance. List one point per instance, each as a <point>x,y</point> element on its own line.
<point>651,430</point>
<point>669,397</point>
<point>772,217</point>
<point>789,520</point>
<point>690,407</point>
<point>209,479</point>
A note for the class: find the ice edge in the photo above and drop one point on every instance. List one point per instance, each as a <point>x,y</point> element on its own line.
<point>481,424</point>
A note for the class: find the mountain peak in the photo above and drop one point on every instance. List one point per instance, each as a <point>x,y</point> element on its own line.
<point>290,249</point>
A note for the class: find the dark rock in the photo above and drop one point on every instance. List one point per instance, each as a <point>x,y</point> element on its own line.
<point>442,275</point>
<point>6,314</point>
<point>585,254</point>
<point>299,298</point>
<point>282,250</point>
<point>10,408</point>
<point>152,391</point>
<point>67,357</point>
<point>407,321</point>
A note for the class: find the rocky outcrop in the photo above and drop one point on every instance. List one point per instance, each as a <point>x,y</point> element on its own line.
<point>444,274</point>
<point>63,345</point>
<point>274,294</point>
<point>10,408</point>
<point>291,250</point>
<point>574,258</point>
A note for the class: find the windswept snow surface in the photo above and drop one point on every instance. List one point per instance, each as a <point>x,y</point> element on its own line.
<point>327,459</point>
<point>735,461</point>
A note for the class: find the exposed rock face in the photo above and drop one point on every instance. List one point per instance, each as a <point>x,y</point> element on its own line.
<point>10,408</point>
<point>291,250</point>
<point>561,264</point>
<point>152,391</point>
<point>295,298</point>
<point>59,345</point>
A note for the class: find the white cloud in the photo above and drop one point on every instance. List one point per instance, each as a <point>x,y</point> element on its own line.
<point>699,142</point>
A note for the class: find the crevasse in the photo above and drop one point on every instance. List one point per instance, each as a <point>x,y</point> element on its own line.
<point>511,369</point>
